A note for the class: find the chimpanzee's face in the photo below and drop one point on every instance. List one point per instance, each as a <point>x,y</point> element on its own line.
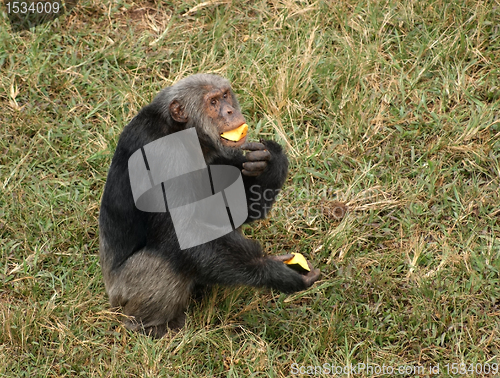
<point>221,107</point>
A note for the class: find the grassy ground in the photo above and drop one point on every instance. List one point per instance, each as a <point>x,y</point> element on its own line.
<point>392,107</point>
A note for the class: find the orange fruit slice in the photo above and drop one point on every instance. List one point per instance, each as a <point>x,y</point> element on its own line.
<point>298,261</point>
<point>236,134</point>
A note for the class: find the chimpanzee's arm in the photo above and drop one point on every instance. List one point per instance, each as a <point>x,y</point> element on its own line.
<point>264,170</point>
<point>263,189</point>
<point>235,260</point>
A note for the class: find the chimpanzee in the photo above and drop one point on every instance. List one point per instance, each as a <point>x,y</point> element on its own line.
<point>145,271</point>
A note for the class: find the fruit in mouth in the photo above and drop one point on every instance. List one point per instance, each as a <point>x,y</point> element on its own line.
<point>237,134</point>
<point>298,262</point>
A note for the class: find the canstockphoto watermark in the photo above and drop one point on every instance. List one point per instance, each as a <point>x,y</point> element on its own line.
<point>306,205</point>
<point>204,202</point>
<point>369,369</point>
<point>358,369</point>
<point>26,14</point>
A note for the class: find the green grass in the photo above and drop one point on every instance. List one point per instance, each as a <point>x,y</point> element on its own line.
<point>392,107</point>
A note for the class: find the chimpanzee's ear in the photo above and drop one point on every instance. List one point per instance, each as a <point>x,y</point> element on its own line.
<point>177,112</point>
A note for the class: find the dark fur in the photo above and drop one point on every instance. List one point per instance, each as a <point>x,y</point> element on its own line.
<point>145,272</point>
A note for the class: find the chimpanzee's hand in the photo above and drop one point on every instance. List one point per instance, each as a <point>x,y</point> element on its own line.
<point>282,258</point>
<point>256,159</point>
<point>312,276</point>
<point>309,277</point>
